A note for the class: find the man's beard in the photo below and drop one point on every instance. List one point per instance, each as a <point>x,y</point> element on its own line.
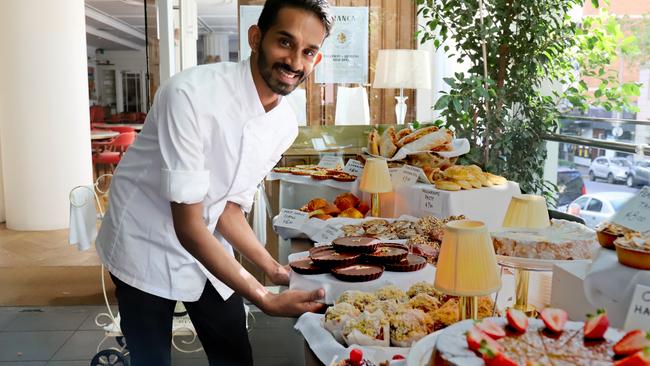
<point>274,84</point>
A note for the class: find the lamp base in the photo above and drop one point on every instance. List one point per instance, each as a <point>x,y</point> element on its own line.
<point>522,281</point>
<point>400,108</point>
<point>375,207</point>
<point>468,307</point>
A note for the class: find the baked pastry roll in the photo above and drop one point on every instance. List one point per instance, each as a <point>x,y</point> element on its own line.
<point>403,132</point>
<point>373,142</point>
<point>369,329</point>
<point>439,140</point>
<point>387,146</point>
<point>416,135</point>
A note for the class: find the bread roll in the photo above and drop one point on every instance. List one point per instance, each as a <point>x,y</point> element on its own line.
<point>373,143</point>
<point>430,141</point>
<point>387,146</point>
<point>416,135</point>
<point>403,132</point>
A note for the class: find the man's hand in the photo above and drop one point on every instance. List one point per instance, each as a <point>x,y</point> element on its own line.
<point>293,303</point>
<point>280,275</point>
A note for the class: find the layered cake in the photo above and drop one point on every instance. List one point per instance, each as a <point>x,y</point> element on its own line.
<point>534,342</point>
<point>562,240</point>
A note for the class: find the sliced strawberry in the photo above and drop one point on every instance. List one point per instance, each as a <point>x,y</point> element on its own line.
<point>641,358</point>
<point>398,357</point>
<point>494,357</point>
<point>632,342</point>
<point>492,329</point>
<point>475,337</point>
<point>596,325</point>
<point>356,356</point>
<point>554,319</point>
<point>517,320</point>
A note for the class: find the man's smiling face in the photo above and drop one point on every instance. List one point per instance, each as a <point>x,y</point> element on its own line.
<point>288,51</point>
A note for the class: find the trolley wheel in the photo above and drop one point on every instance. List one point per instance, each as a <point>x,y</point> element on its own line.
<point>109,357</point>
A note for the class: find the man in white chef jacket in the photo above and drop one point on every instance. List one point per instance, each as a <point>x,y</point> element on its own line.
<point>212,134</point>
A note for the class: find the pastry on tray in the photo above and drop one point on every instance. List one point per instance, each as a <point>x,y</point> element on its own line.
<point>391,292</point>
<point>562,240</point>
<point>328,257</point>
<point>409,326</point>
<point>344,177</point>
<point>307,266</point>
<point>359,272</point>
<point>551,340</point>
<point>369,329</point>
<point>355,244</point>
<point>608,232</point>
<point>336,316</point>
<point>283,169</point>
<point>358,299</point>
<point>633,250</point>
<point>387,253</point>
<point>410,263</point>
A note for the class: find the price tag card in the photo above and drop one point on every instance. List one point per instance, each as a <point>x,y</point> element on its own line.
<point>406,175</point>
<point>292,219</point>
<point>638,315</point>
<point>318,143</point>
<point>421,177</point>
<point>354,167</point>
<point>635,213</point>
<point>432,201</point>
<point>328,234</point>
<point>331,162</point>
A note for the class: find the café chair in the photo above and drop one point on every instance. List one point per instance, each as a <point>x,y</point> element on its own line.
<point>109,153</point>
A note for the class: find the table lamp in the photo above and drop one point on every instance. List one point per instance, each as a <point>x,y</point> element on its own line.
<point>375,179</point>
<point>525,211</point>
<point>402,69</point>
<point>467,266</point>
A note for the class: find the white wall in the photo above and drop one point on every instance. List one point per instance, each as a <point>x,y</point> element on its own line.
<point>134,61</point>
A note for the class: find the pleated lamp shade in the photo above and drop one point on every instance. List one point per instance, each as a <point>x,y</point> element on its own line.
<point>527,211</point>
<point>375,177</point>
<point>403,68</point>
<point>467,265</point>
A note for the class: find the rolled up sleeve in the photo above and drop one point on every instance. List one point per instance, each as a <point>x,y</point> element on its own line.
<point>244,199</point>
<point>184,177</point>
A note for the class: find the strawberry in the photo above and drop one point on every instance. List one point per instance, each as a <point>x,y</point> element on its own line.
<point>494,357</point>
<point>596,325</point>
<point>517,320</point>
<point>398,357</point>
<point>356,356</point>
<point>490,328</point>
<point>475,337</point>
<point>554,319</point>
<point>632,342</point>
<point>641,358</point>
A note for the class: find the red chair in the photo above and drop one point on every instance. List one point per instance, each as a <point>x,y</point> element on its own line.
<point>96,114</point>
<point>121,129</point>
<point>110,153</point>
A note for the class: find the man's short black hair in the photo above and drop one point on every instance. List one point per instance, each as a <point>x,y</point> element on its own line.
<point>320,8</point>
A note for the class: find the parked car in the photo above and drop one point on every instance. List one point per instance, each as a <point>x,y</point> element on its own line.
<point>595,208</point>
<point>569,185</point>
<point>612,169</point>
<point>639,173</point>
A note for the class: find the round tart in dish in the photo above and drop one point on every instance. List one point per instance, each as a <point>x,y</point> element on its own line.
<point>410,263</point>
<point>306,266</point>
<point>387,253</point>
<point>633,250</point>
<point>358,272</point>
<point>344,177</point>
<point>355,244</point>
<point>328,258</point>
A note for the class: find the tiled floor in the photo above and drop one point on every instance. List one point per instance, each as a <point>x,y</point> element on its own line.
<point>68,336</point>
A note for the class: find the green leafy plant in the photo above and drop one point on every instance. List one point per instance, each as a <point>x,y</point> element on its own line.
<point>529,46</point>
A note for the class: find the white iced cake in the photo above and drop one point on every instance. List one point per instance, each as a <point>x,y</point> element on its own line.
<point>562,240</point>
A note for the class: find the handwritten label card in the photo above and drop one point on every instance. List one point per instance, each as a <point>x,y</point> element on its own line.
<point>635,213</point>
<point>331,162</point>
<point>292,219</point>
<point>354,167</point>
<point>432,201</point>
<point>328,234</point>
<point>421,177</point>
<point>638,315</point>
<point>318,144</point>
<point>406,175</point>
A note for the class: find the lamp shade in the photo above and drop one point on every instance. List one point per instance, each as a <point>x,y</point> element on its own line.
<point>408,69</point>
<point>467,265</point>
<point>527,211</point>
<point>375,177</point>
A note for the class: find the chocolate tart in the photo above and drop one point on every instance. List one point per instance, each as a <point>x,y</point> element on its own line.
<point>344,178</point>
<point>355,244</point>
<point>606,239</point>
<point>387,253</point>
<point>329,258</point>
<point>307,267</point>
<point>633,257</point>
<point>358,272</point>
<point>411,263</point>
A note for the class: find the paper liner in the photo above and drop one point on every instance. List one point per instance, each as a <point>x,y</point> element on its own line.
<point>357,338</point>
<point>336,327</point>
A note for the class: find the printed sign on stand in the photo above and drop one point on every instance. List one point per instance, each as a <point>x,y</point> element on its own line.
<point>331,162</point>
<point>353,167</point>
<point>432,201</point>
<point>638,315</point>
<point>292,219</point>
<point>635,213</point>
<point>328,234</point>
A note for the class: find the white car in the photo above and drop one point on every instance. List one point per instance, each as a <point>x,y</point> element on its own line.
<point>595,208</point>
<point>612,169</point>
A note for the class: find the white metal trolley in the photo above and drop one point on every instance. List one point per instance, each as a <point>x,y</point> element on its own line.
<point>182,326</point>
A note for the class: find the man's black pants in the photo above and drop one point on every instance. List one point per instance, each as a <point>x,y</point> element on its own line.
<point>146,322</point>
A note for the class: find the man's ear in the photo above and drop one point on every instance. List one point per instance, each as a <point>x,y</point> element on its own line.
<point>254,37</point>
<point>319,58</point>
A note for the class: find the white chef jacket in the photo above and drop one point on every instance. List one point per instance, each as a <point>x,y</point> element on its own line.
<point>206,139</point>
